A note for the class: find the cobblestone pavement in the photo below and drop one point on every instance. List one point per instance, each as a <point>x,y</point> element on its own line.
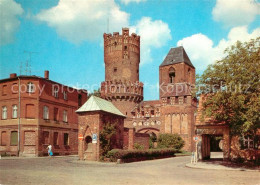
<point>68,170</point>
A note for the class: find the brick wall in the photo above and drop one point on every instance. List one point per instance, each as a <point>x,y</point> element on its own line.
<point>32,123</point>
<point>142,139</point>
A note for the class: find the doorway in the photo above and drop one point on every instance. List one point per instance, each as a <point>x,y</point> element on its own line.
<point>216,147</point>
<point>212,146</point>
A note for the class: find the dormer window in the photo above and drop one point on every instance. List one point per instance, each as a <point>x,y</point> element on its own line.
<point>171,75</point>
<point>30,87</point>
<point>65,95</point>
<point>55,92</point>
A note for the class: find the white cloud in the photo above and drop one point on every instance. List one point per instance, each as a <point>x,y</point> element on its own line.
<point>154,34</point>
<point>235,12</point>
<point>129,1</point>
<point>9,21</point>
<point>201,49</point>
<point>80,20</point>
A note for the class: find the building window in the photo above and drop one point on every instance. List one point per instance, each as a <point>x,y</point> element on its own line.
<point>168,100</point>
<point>115,69</point>
<point>30,87</point>
<point>45,112</point>
<point>247,142</point>
<point>65,95</point>
<point>56,138</point>
<point>65,116</point>
<point>66,139</point>
<point>171,75</point>
<point>56,114</point>
<point>45,137</point>
<point>4,112</point>
<point>176,100</point>
<point>79,100</point>
<point>185,99</point>
<point>4,91</point>
<point>30,111</point>
<point>14,138</point>
<point>56,92</point>
<point>189,76</point>
<point>14,112</point>
<point>142,113</point>
<point>3,138</point>
<point>15,88</point>
<point>152,113</point>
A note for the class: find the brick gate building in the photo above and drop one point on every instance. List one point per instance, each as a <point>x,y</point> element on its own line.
<point>174,112</point>
<point>41,113</point>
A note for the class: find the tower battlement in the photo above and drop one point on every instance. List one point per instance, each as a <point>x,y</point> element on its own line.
<point>118,40</point>
<point>122,56</point>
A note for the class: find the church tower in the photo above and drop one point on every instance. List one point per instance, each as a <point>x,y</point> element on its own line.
<point>177,80</point>
<point>122,59</point>
<point>176,72</point>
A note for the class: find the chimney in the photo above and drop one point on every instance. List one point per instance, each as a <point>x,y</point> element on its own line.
<point>46,75</point>
<point>13,75</point>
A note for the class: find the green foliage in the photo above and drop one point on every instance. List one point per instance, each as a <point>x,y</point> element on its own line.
<point>152,140</point>
<point>151,145</point>
<point>138,146</point>
<point>138,154</point>
<point>95,93</point>
<point>105,136</point>
<point>170,141</point>
<point>232,86</point>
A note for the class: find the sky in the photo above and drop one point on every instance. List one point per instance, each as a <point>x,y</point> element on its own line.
<point>66,36</point>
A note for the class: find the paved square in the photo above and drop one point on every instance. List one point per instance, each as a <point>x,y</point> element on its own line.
<point>68,170</point>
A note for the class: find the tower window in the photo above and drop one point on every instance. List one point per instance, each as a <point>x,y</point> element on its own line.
<point>125,47</point>
<point>185,99</point>
<point>171,75</point>
<point>79,100</point>
<point>115,69</point>
<point>189,75</point>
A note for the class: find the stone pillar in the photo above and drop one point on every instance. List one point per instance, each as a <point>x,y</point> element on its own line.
<point>80,150</point>
<point>95,152</point>
<point>131,138</point>
<point>226,144</point>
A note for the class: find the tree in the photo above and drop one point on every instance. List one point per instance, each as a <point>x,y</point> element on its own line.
<point>170,141</point>
<point>105,136</point>
<point>232,88</point>
<point>95,93</point>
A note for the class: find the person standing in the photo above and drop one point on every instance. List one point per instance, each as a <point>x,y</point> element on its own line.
<point>49,150</point>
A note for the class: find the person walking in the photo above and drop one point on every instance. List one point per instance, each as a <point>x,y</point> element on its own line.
<point>50,150</point>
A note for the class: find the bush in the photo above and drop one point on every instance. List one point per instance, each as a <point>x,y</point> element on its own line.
<point>151,145</point>
<point>170,141</point>
<point>135,155</point>
<point>152,140</point>
<point>138,146</point>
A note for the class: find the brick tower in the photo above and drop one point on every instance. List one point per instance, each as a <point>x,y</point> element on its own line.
<point>177,80</point>
<point>122,58</point>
